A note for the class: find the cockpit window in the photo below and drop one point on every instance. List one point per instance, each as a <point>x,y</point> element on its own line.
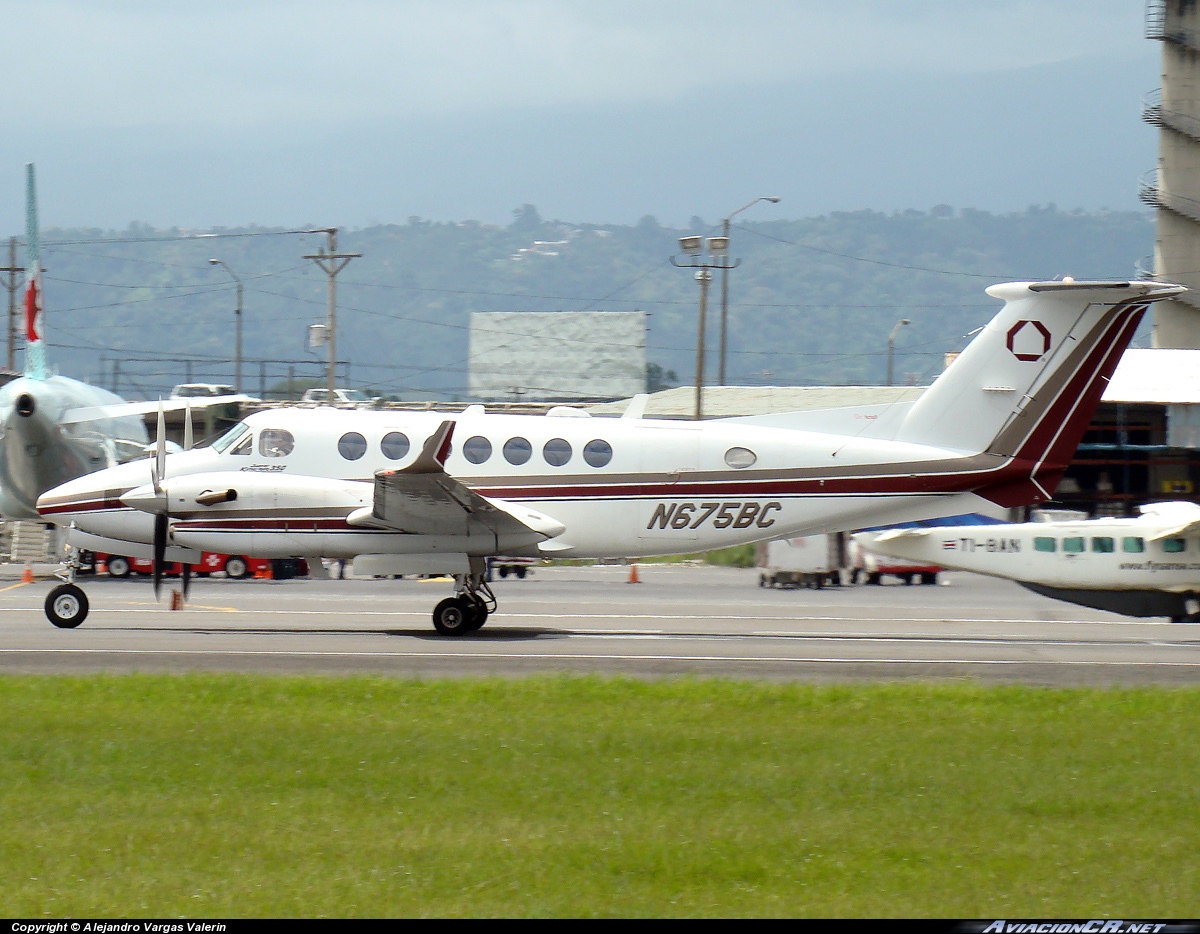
<point>275,442</point>
<point>223,443</point>
<point>245,445</point>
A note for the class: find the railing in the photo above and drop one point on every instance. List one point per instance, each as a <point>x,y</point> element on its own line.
<point>1156,19</point>
<point>1155,114</point>
<point>1156,27</point>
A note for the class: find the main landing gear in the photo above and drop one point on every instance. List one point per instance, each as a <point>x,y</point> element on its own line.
<point>67,605</point>
<point>469,608</point>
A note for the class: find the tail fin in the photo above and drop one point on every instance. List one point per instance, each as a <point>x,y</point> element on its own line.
<point>1027,386</point>
<point>35,351</point>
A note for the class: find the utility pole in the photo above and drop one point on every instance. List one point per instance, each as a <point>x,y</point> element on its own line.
<point>693,247</point>
<point>12,269</point>
<point>332,262</point>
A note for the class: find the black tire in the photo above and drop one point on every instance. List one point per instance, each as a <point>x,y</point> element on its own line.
<point>503,571</point>
<point>907,578</point>
<point>118,566</point>
<point>929,578</point>
<point>520,572</point>
<point>477,613</point>
<point>66,606</point>
<point>874,577</point>
<point>236,567</point>
<point>452,617</point>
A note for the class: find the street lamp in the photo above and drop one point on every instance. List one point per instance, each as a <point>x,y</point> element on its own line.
<point>693,248</point>
<point>725,278</point>
<point>237,373</point>
<point>892,346</point>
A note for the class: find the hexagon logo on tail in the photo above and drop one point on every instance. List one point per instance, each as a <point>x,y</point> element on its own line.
<point>1028,340</point>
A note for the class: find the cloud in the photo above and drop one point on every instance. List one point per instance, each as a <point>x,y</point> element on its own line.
<point>309,62</point>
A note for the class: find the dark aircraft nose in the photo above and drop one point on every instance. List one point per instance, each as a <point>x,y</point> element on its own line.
<point>25,405</point>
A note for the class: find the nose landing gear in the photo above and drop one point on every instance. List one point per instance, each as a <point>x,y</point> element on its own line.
<point>67,605</point>
<point>470,606</point>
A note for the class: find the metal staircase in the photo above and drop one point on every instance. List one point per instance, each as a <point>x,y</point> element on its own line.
<point>30,542</point>
<point>1155,114</point>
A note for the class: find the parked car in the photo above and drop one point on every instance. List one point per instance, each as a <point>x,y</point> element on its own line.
<point>201,390</point>
<point>339,397</point>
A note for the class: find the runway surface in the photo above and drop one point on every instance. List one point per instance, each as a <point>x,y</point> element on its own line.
<point>678,620</point>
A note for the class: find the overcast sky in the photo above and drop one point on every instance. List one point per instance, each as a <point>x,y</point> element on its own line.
<point>276,112</point>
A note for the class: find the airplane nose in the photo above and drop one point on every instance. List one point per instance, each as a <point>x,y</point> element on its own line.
<point>25,405</point>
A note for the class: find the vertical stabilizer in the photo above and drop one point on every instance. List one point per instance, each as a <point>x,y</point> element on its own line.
<point>35,350</point>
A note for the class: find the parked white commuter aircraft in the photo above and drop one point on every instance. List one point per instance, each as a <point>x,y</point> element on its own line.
<point>53,428</point>
<point>1144,566</point>
<point>386,489</point>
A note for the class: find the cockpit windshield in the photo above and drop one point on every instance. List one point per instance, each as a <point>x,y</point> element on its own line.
<point>227,440</point>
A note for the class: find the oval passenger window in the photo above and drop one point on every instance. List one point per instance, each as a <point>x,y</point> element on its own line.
<point>597,453</point>
<point>352,445</point>
<point>517,451</point>
<point>394,445</point>
<point>557,452</point>
<point>739,458</point>
<point>477,449</point>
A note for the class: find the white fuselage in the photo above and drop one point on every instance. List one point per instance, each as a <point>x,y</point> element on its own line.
<point>618,486</point>
<point>1087,554</point>
<point>38,452</point>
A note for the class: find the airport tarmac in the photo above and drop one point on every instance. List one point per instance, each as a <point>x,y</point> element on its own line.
<point>702,621</point>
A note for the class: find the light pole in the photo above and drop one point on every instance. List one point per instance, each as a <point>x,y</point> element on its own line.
<point>237,372</point>
<point>693,247</point>
<point>725,279</point>
<point>892,346</point>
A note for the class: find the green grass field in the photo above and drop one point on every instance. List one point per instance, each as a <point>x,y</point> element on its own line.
<point>247,796</point>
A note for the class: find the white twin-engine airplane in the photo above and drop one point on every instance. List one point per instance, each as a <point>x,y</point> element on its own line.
<point>391,491</point>
<point>1143,566</point>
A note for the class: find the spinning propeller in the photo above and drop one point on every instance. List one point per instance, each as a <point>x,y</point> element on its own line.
<point>161,507</point>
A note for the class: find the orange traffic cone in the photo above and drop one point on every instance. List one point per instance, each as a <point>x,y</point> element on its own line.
<point>633,575</point>
<point>27,577</point>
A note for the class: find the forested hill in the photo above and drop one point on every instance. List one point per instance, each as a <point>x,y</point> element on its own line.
<point>812,302</point>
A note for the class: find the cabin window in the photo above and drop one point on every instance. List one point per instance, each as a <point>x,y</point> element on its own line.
<point>394,445</point>
<point>1073,545</point>
<point>517,451</point>
<point>245,445</point>
<point>1174,546</point>
<point>557,452</point>
<point>223,443</point>
<point>597,453</point>
<point>739,458</point>
<point>275,442</point>
<point>1042,543</point>
<point>477,449</point>
<point>1132,545</point>
<point>1103,545</point>
<point>352,445</point>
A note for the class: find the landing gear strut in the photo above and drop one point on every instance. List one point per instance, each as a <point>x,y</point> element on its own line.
<point>67,605</point>
<point>469,608</point>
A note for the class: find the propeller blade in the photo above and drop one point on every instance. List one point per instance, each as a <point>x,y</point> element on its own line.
<point>188,441</point>
<point>160,549</point>
<point>160,453</point>
<point>187,579</point>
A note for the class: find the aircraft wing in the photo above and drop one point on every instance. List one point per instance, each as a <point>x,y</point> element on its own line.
<point>91,413</point>
<point>422,499</point>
